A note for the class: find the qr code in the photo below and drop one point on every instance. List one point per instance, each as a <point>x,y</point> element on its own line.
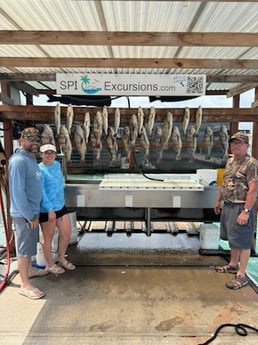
<point>194,84</point>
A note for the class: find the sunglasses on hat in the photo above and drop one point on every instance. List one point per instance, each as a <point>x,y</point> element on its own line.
<point>32,139</point>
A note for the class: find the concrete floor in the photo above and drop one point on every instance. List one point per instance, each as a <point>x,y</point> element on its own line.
<point>110,299</point>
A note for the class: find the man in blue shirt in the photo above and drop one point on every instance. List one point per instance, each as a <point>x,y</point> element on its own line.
<point>25,197</point>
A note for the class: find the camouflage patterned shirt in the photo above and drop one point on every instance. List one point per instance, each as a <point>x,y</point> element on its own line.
<point>238,174</point>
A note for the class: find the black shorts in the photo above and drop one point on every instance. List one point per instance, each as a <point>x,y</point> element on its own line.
<point>43,217</point>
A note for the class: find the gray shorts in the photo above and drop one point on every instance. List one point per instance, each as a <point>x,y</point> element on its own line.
<point>25,238</point>
<point>238,236</point>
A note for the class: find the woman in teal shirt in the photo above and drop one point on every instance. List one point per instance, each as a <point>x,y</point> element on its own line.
<point>53,212</point>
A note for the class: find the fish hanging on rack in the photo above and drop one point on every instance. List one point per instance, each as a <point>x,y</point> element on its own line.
<point>112,145</point>
<point>144,142</point>
<point>57,118</point>
<point>186,119</point>
<point>158,142</point>
<point>208,141</point>
<point>176,142</point>
<point>69,118</point>
<point>126,141</point>
<point>133,127</point>
<point>64,142</point>
<point>80,143</point>
<point>151,121</point>
<point>96,135</point>
<point>116,121</point>
<point>105,120</point>
<point>140,120</point>
<point>47,135</point>
<point>224,137</point>
<point>191,142</point>
<point>198,119</point>
<point>166,134</point>
<point>86,126</point>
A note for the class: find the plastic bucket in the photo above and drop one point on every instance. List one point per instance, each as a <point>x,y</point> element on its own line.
<point>209,236</point>
<point>207,177</point>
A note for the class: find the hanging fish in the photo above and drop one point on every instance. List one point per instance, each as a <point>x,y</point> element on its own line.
<point>97,134</point>
<point>158,143</point>
<point>151,120</point>
<point>57,118</point>
<point>69,118</point>
<point>167,129</point>
<point>208,141</point>
<point>47,135</point>
<point>186,119</point>
<point>133,127</point>
<point>198,119</point>
<point>105,119</point>
<point>144,142</point>
<point>191,142</point>
<point>224,137</point>
<point>80,142</point>
<point>126,141</point>
<point>112,144</point>
<point>64,143</point>
<point>140,120</point>
<point>176,142</point>
<point>116,120</point>
<point>96,145</point>
<point>86,126</point>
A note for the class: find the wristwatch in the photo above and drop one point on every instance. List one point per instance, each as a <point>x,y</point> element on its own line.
<point>246,210</point>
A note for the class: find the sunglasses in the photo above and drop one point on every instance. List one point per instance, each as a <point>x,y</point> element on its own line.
<point>33,139</point>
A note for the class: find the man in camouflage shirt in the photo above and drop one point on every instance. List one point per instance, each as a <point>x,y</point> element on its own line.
<point>238,194</point>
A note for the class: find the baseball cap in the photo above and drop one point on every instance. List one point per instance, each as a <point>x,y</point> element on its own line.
<point>47,147</point>
<point>29,132</point>
<point>240,136</point>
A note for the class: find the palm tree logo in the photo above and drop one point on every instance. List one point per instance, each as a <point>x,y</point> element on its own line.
<point>88,86</point>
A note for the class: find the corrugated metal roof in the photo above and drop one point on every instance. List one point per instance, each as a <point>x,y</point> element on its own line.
<point>129,16</point>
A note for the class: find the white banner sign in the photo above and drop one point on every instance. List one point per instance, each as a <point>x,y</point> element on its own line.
<point>130,84</point>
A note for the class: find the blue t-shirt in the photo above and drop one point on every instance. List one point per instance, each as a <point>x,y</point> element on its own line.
<point>52,183</point>
<point>24,185</point>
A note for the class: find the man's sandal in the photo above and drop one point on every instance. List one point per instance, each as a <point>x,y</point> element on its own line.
<point>55,269</point>
<point>237,283</point>
<point>67,265</point>
<point>226,269</point>
<point>33,293</point>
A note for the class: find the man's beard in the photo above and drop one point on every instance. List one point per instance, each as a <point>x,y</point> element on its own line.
<point>33,149</point>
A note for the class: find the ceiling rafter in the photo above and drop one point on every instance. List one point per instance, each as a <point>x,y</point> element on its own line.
<point>211,39</point>
<point>127,63</point>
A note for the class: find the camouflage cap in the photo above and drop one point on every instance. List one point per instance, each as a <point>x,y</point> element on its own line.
<point>240,136</point>
<point>30,131</point>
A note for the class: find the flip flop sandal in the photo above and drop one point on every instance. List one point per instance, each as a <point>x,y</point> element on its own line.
<point>55,269</point>
<point>37,272</point>
<point>34,293</point>
<point>226,269</point>
<point>237,283</point>
<point>67,265</point>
